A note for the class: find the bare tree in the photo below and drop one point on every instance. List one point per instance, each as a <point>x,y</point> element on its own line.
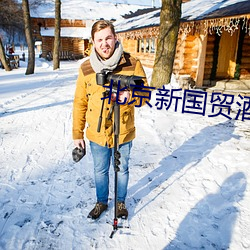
<point>11,16</point>
<point>28,33</point>
<point>3,57</point>
<point>11,24</point>
<point>56,59</point>
<point>168,34</point>
<point>36,3</point>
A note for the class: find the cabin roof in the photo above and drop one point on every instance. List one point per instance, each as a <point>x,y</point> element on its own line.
<point>193,10</point>
<point>85,10</point>
<point>140,21</point>
<point>208,9</point>
<point>77,32</point>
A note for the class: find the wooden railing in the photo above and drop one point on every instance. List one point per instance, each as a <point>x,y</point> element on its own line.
<point>64,55</point>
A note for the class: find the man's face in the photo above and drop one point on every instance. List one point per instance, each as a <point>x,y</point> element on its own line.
<point>104,42</point>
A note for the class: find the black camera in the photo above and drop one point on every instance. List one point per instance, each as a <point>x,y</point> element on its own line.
<point>78,153</point>
<point>130,82</point>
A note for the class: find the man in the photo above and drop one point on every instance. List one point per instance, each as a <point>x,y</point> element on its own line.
<point>107,54</point>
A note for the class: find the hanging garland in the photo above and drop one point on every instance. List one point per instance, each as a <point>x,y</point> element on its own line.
<point>229,24</point>
<point>148,32</point>
<point>219,25</point>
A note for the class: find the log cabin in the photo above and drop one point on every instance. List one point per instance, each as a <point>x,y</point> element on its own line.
<point>74,37</point>
<point>213,41</point>
<point>77,19</point>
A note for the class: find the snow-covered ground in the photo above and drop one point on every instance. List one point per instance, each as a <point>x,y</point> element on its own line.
<point>189,174</point>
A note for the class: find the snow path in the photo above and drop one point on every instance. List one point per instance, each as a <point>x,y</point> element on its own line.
<point>188,184</point>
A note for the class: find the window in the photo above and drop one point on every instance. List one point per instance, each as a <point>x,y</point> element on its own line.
<point>146,45</point>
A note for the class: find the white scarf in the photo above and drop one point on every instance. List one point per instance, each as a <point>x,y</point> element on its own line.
<point>98,64</point>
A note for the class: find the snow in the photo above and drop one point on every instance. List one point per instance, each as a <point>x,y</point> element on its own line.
<point>156,3</point>
<point>145,20</point>
<point>197,9</point>
<point>192,10</point>
<point>84,33</point>
<point>86,10</point>
<point>189,174</point>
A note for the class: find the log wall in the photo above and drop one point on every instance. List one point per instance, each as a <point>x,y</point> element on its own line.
<point>178,61</point>
<point>209,57</point>
<point>132,46</point>
<point>76,46</point>
<point>186,56</point>
<point>50,22</point>
<point>73,45</point>
<point>245,60</point>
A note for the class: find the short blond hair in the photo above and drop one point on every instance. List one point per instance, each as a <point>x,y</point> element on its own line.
<point>100,25</point>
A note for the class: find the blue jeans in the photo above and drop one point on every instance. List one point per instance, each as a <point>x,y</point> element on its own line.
<point>102,157</point>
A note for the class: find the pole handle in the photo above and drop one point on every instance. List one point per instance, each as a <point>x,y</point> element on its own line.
<point>99,124</point>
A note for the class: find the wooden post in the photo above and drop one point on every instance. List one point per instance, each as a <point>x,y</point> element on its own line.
<point>201,60</point>
<point>140,40</point>
<point>149,45</point>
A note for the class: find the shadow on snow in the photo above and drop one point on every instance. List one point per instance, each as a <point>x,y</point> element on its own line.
<point>23,110</point>
<point>209,225</point>
<point>190,152</point>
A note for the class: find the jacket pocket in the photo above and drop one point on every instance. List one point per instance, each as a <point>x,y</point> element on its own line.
<point>126,120</point>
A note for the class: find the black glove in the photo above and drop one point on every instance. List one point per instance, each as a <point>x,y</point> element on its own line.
<point>78,153</point>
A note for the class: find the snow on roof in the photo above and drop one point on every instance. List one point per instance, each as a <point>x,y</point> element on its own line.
<point>145,20</point>
<point>80,32</point>
<point>197,9</point>
<point>85,10</point>
<point>192,10</point>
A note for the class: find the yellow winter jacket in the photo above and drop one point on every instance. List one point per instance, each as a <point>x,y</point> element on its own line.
<point>87,105</point>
